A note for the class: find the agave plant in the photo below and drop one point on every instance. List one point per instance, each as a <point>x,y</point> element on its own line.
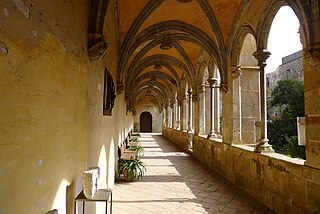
<point>132,169</point>
<point>136,135</point>
<point>134,139</point>
<point>139,150</point>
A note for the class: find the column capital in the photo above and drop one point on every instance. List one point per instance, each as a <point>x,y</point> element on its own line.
<point>194,98</point>
<point>236,71</point>
<point>213,81</point>
<point>312,55</point>
<point>190,91</point>
<point>201,88</point>
<point>184,96</point>
<point>262,56</point>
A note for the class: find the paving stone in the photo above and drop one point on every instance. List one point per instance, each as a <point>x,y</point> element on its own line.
<point>177,183</point>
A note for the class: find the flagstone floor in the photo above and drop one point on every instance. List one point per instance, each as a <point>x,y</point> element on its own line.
<point>177,183</point>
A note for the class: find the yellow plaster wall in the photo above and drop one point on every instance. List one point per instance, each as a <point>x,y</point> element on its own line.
<point>51,126</point>
<point>106,133</point>
<point>43,125</point>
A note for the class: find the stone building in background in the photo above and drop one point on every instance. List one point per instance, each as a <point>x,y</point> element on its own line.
<point>291,68</point>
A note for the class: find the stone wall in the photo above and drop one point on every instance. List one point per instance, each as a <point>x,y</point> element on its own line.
<point>156,118</point>
<point>291,68</point>
<point>284,184</point>
<point>52,127</point>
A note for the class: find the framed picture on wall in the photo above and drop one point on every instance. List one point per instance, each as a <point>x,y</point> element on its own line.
<point>108,93</point>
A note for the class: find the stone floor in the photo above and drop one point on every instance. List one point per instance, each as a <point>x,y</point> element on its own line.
<point>177,183</point>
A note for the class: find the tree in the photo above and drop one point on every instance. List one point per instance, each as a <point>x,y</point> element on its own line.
<point>287,100</point>
<point>288,97</point>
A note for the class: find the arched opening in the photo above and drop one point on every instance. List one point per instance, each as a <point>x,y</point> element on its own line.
<point>285,85</point>
<point>145,122</point>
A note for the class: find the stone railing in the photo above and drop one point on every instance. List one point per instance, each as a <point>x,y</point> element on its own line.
<point>284,184</point>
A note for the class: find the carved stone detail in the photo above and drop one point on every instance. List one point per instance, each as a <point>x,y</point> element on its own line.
<point>120,87</point>
<point>312,56</point>
<point>97,47</point>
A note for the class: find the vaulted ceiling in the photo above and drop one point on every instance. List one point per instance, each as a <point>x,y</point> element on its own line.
<point>163,41</point>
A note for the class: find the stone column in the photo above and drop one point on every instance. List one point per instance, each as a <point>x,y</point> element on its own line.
<point>181,112</point>
<point>190,129</point>
<point>201,94</point>
<point>250,113</point>
<point>195,114</point>
<point>236,74</point>
<point>178,113</point>
<point>173,119</point>
<point>262,56</point>
<point>208,109</point>
<point>212,81</point>
<point>183,115</point>
<point>164,117</point>
<point>312,104</point>
<point>168,115</point>
<point>216,110</point>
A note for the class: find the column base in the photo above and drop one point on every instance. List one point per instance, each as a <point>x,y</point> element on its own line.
<point>263,145</point>
<point>190,131</point>
<point>212,135</point>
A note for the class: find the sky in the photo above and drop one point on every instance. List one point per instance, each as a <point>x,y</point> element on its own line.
<point>284,38</point>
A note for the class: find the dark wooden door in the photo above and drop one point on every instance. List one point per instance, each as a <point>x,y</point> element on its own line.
<point>145,122</point>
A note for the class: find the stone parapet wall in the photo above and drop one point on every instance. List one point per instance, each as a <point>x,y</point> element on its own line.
<point>284,184</point>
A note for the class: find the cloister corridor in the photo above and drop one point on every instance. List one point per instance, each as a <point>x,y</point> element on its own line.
<point>175,182</point>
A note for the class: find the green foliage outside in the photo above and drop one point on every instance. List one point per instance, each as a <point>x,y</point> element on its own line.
<point>287,101</point>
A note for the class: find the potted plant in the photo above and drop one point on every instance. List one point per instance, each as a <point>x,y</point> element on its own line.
<point>138,149</point>
<point>132,169</point>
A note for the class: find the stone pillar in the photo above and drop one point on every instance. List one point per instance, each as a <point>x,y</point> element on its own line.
<point>190,118</point>
<point>195,114</point>
<point>183,116</point>
<point>212,81</point>
<point>164,117</point>
<point>216,110</point>
<point>208,109</point>
<point>312,104</point>
<point>237,129</point>
<point>178,113</point>
<point>262,56</point>
<point>173,119</point>
<point>201,94</point>
<point>168,115</point>
<point>249,103</point>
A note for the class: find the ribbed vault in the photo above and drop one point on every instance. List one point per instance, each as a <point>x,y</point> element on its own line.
<point>162,43</point>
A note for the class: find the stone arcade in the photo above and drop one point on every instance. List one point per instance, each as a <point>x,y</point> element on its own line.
<point>198,67</point>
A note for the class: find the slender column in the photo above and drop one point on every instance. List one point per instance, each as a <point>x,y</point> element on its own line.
<point>183,115</point>
<point>195,116</point>
<point>178,113</point>
<point>190,129</point>
<point>202,100</point>
<point>216,110</point>
<point>208,109</point>
<point>164,117</point>
<point>173,110</point>
<point>262,145</point>
<point>168,113</point>
<point>236,74</point>
<point>212,81</point>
